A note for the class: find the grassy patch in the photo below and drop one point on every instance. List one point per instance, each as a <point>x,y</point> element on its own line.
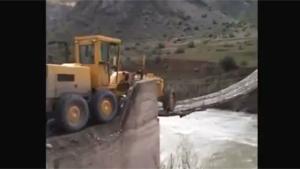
<point>214,51</point>
<point>221,50</point>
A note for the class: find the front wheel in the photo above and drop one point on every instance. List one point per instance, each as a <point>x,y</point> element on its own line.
<point>104,106</point>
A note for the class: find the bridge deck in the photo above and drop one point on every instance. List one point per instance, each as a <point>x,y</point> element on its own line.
<point>240,88</point>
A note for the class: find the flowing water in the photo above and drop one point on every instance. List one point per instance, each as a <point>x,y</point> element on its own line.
<point>209,139</point>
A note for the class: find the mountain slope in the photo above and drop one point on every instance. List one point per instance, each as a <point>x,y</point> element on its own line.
<point>138,20</point>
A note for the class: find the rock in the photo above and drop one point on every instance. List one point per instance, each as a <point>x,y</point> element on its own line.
<point>98,139</point>
<point>89,135</point>
<point>49,146</point>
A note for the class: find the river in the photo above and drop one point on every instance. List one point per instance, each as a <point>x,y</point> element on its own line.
<point>209,139</point>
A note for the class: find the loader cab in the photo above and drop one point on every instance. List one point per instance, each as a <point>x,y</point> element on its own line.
<point>101,54</point>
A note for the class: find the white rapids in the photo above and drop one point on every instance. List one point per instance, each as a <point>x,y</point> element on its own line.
<point>209,139</point>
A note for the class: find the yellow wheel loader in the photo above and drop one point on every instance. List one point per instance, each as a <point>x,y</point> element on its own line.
<point>93,87</point>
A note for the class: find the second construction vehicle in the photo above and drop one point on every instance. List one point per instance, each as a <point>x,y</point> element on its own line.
<point>92,88</point>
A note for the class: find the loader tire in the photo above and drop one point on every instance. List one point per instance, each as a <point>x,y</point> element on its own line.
<point>71,112</point>
<point>104,106</point>
<point>169,100</point>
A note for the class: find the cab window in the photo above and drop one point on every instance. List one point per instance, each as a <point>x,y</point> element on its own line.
<point>86,53</point>
<point>104,51</point>
<point>108,51</point>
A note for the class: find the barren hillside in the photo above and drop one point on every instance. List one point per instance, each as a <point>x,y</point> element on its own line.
<point>138,20</point>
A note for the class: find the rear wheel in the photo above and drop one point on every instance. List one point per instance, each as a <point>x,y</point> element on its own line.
<point>169,100</point>
<point>104,106</point>
<point>71,112</point>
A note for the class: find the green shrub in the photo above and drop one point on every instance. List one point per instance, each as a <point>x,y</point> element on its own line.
<point>191,44</point>
<point>228,63</point>
<point>179,50</point>
<point>161,45</point>
<point>248,43</point>
<point>205,42</point>
<point>244,63</point>
<point>247,34</point>
<point>155,52</point>
<point>187,17</point>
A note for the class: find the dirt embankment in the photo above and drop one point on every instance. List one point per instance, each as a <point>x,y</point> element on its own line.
<point>130,141</point>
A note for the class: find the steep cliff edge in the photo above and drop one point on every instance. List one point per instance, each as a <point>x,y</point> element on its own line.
<point>130,141</point>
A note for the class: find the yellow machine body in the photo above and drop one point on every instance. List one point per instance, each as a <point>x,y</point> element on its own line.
<point>97,60</point>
